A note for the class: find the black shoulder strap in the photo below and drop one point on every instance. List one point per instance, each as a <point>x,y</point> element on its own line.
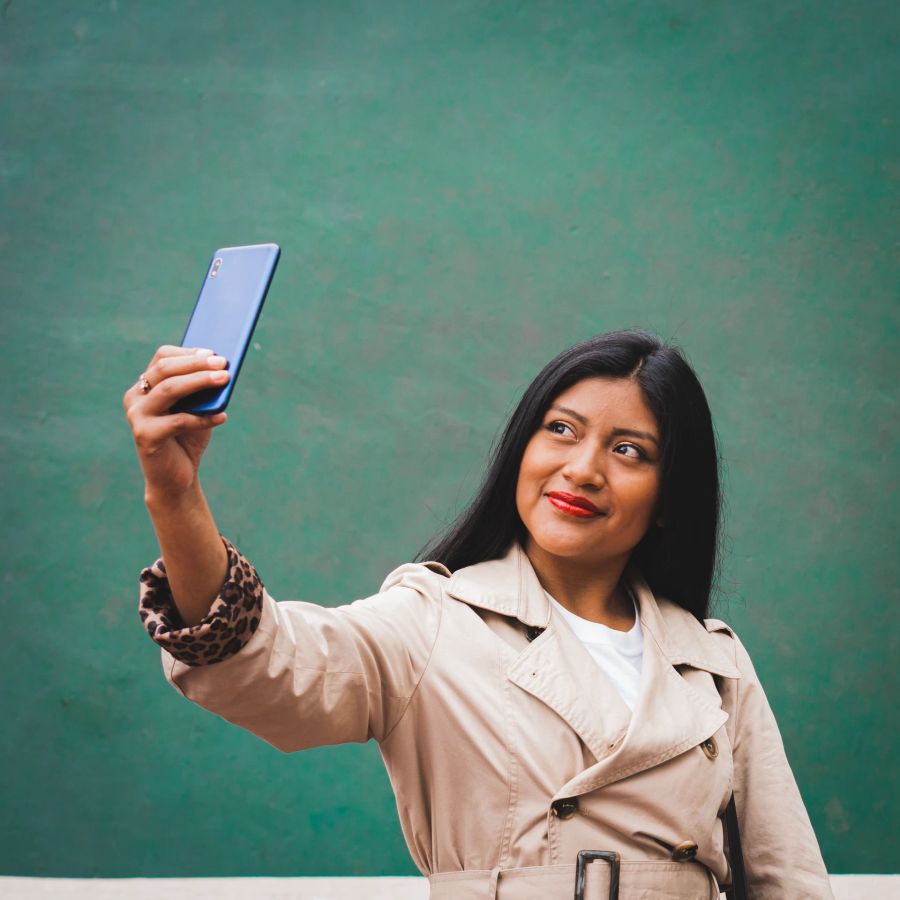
<point>738,889</point>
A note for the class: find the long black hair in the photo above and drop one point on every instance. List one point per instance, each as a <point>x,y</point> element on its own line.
<point>677,558</point>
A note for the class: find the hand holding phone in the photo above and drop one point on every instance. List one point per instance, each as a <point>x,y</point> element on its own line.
<point>171,445</point>
<point>172,409</point>
<point>179,397</point>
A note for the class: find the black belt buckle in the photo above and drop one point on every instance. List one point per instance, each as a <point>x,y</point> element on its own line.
<point>589,856</point>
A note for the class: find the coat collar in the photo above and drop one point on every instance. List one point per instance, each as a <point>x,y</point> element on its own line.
<point>671,715</point>
<point>509,586</point>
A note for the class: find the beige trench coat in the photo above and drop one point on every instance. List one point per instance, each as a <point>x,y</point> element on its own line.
<point>508,749</point>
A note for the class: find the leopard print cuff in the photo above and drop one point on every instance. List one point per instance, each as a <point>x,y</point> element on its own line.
<point>230,623</point>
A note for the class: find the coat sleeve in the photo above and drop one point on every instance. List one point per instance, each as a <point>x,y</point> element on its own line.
<point>781,853</point>
<point>296,674</point>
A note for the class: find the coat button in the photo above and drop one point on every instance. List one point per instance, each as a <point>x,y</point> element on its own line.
<point>684,851</point>
<point>564,808</point>
<point>533,632</point>
<point>710,748</point>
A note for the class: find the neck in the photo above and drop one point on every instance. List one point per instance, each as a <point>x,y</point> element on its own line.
<point>591,590</point>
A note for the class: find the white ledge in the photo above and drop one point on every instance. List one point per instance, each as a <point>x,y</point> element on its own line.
<point>846,887</point>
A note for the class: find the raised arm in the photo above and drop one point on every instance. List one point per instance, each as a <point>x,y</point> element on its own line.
<point>296,674</point>
<point>169,447</point>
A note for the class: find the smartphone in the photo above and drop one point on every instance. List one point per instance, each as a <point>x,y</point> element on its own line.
<point>225,314</point>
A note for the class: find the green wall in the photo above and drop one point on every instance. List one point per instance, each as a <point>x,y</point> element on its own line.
<point>460,189</point>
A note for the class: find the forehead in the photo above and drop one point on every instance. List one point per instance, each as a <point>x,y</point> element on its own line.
<point>618,402</point>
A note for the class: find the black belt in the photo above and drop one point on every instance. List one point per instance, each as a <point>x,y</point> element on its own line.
<point>589,856</point>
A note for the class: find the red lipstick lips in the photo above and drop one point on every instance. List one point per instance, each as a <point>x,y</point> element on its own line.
<point>580,507</point>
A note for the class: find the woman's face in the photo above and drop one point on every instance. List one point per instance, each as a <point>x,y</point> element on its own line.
<point>589,480</point>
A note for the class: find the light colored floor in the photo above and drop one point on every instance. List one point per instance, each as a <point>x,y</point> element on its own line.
<point>846,887</point>
<point>213,889</point>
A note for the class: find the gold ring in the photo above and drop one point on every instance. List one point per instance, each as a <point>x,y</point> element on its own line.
<point>143,384</point>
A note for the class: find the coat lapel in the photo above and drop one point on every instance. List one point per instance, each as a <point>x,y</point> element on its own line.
<point>670,716</point>
<point>556,668</point>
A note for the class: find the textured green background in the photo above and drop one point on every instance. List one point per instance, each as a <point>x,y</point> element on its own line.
<point>460,189</point>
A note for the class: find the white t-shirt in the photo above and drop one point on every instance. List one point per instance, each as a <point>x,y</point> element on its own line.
<point>618,653</point>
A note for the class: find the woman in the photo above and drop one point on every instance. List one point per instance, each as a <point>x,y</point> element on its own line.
<point>548,682</point>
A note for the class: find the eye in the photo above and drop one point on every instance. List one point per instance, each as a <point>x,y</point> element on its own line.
<point>557,427</point>
<point>636,452</point>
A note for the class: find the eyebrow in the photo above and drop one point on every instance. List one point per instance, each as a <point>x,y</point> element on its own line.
<point>630,432</point>
<point>623,432</point>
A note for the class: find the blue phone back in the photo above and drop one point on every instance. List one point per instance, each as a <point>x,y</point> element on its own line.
<point>226,312</point>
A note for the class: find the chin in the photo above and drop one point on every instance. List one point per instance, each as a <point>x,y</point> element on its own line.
<point>563,545</point>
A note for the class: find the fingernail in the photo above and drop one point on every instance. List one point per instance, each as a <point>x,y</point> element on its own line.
<point>217,362</point>
<point>203,352</point>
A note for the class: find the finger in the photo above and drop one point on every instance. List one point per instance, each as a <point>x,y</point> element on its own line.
<point>161,397</point>
<point>154,431</point>
<point>168,350</point>
<point>169,366</point>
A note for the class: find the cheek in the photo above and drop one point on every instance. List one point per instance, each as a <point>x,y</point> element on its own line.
<point>532,472</point>
<point>643,495</point>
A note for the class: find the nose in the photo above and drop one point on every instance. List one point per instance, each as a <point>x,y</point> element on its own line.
<point>585,466</point>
